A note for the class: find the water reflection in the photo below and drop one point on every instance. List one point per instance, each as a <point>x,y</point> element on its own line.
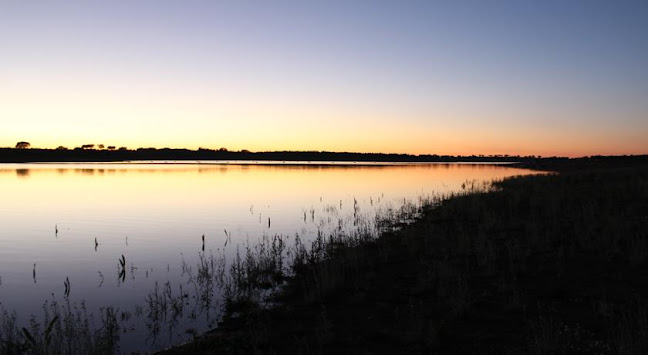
<point>161,244</point>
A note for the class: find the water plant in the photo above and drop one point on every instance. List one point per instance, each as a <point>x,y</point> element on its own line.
<point>63,329</point>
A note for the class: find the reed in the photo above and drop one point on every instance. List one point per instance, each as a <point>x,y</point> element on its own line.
<point>64,328</point>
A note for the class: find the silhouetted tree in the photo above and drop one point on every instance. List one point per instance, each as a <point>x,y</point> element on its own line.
<point>111,147</point>
<point>23,145</point>
<point>222,150</point>
<point>60,147</point>
<point>123,148</point>
<point>87,146</point>
<point>101,146</point>
<point>22,172</point>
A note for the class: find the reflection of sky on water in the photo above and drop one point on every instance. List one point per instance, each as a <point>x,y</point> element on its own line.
<point>155,215</point>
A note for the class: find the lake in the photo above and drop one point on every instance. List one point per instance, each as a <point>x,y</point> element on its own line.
<point>87,236</point>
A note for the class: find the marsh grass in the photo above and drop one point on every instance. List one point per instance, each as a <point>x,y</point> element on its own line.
<point>64,329</point>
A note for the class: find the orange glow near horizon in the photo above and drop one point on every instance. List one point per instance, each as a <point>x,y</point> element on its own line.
<point>176,120</point>
<point>396,140</point>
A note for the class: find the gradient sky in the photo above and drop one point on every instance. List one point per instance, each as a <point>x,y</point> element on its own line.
<point>551,77</point>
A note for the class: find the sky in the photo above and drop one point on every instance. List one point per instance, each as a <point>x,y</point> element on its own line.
<point>551,77</point>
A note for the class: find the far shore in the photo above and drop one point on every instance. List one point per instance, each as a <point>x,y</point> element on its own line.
<point>224,156</point>
<point>152,155</point>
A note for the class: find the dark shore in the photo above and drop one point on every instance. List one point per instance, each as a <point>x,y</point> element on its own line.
<point>547,264</point>
<point>10,155</point>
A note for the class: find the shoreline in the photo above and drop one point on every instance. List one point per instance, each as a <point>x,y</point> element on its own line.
<point>10,155</point>
<point>316,163</point>
<point>224,157</point>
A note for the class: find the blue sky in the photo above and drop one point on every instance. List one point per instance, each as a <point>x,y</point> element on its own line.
<point>447,77</point>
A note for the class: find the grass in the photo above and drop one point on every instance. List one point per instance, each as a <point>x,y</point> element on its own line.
<point>548,264</point>
<point>65,329</point>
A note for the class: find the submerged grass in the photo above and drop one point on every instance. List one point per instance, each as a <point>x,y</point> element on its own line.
<point>534,265</point>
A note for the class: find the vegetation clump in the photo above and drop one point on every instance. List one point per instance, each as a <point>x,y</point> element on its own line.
<point>66,329</point>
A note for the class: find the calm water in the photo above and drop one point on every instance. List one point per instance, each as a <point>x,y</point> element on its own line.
<point>156,214</point>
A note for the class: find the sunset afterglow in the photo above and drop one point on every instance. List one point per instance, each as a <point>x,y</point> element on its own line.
<point>420,77</point>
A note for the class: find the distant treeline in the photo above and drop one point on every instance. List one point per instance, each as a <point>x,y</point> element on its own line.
<point>22,155</point>
<point>10,155</point>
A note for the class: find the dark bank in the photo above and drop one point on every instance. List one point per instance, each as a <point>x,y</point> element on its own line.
<point>89,153</point>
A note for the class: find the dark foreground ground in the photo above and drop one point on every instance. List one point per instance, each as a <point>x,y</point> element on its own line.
<point>552,264</point>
